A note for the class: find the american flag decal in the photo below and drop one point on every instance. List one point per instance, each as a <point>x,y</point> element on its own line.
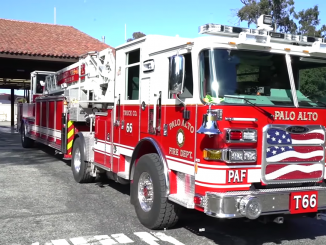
<point>277,136</point>
<point>294,153</point>
<point>293,171</point>
<point>291,157</point>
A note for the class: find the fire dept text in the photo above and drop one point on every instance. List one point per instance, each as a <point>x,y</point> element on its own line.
<point>181,153</point>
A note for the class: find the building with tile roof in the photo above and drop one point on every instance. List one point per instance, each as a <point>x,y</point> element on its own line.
<point>28,46</point>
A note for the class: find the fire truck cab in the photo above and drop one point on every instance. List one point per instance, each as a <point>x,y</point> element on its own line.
<point>220,123</point>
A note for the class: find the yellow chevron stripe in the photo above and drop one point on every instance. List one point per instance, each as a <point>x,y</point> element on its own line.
<point>70,133</point>
<point>70,123</point>
<point>69,145</point>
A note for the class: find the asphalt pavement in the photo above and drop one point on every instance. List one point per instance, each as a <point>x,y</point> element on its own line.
<point>40,203</point>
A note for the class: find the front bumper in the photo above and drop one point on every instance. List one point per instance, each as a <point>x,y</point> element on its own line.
<point>272,201</point>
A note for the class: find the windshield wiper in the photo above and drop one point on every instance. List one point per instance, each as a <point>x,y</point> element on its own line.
<point>317,101</point>
<point>247,100</point>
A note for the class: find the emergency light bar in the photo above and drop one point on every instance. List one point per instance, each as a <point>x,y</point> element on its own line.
<point>224,30</point>
<point>318,48</point>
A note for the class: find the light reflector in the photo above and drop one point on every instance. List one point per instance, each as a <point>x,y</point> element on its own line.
<point>240,135</point>
<point>235,135</point>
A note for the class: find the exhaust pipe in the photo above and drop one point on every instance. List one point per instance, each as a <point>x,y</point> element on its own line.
<point>279,220</point>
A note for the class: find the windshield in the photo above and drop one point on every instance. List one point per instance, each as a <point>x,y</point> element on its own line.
<point>228,76</point>
<point>310,76</point>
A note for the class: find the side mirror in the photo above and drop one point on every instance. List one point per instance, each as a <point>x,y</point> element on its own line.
<point>176,74</point>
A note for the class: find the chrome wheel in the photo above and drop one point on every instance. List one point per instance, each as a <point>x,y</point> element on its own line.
<point>145,191</point>
<point>77,161</point>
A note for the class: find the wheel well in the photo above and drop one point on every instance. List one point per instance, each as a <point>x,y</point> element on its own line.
<point>142,148</point>
<point>146,146</point>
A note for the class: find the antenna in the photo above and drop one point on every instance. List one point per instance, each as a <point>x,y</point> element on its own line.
<point>125,32</point>
<point>55,15</point>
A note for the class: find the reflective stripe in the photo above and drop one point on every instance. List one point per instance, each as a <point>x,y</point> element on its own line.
<point>70,136</point>
<point>70,133</point>
<point>70,123</point>
<point>69,145</point>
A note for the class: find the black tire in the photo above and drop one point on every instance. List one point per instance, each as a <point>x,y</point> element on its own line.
<point>163,213</point>
<point>83,175</point>
<point>26,141</point>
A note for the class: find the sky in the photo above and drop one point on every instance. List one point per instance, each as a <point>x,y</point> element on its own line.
<point>108,18</point>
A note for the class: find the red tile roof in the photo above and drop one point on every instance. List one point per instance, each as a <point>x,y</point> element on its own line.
<point>31,38</point>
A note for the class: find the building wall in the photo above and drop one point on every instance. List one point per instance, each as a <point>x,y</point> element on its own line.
<point>5,112</point>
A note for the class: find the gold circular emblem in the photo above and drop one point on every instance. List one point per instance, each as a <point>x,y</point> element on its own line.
<point>180,137</point>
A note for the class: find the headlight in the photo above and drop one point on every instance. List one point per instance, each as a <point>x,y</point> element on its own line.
<point>240,155</point>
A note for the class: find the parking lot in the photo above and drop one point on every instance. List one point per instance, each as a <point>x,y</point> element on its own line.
<point>41,203</point>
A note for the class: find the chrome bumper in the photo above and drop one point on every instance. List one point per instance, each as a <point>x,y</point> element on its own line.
<point>273,201</point>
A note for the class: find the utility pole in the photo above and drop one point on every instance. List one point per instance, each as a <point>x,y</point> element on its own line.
<point>55,15</point>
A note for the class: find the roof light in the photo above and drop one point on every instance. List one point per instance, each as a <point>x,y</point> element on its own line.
<point>318,47</point>
<point>263,30</point>
<point>311,39</point>
<point>276,35</point>
<point>248,39</point>
<point>267,19</point>
<point>296,38</point>
<point>228,29</point>
<point>265,22</point>
<point>288,36</point>
<point>211,28</point>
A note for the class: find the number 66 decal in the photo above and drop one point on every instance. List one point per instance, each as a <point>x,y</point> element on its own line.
<point>129,128</point>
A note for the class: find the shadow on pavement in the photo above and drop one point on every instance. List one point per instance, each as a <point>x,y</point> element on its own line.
<point>241,231</point>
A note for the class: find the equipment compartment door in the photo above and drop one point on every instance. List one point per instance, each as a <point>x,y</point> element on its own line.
<point>100,139</point>
<point>108,140</point>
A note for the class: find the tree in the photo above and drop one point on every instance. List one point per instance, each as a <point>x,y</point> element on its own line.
<point>136,35</point>
<point>308,22</point>
<point>284,16</point>
<point>287,20</point>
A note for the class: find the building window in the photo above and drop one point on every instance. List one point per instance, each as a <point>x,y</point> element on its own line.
<point>132,75</point>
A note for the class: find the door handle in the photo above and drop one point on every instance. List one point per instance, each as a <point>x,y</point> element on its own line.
<point>143,105</point>
<point>154,113</point>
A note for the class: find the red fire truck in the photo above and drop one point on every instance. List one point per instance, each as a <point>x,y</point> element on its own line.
<point>223,123</point>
